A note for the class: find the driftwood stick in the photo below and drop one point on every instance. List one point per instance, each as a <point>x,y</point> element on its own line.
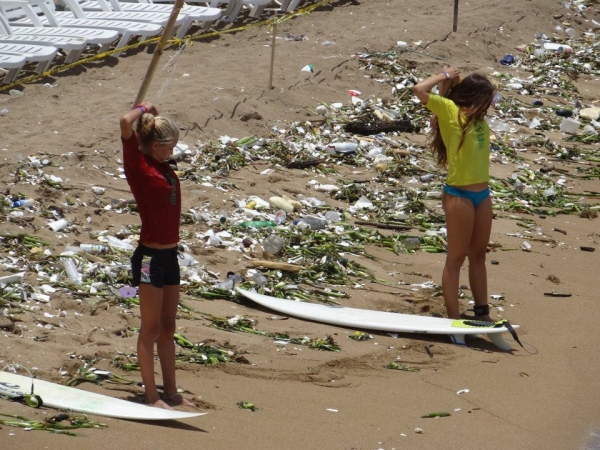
<point>159,51</point>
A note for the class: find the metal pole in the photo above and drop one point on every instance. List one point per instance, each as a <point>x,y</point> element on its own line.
<point>454,26</point>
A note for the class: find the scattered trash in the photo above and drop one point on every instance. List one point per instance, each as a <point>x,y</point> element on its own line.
<point>569,126</point>
<point>247,406</point>
<point>127,292</point>
<point>463,391</point>
<point>308,68</point>
<point>360,336</point>
<point>435,414</point>
<point>312,223</point>
<point>507,60</point>
<point>587,249</point>
<point>94,248</point>
<point>403,367</point>
<point>22,203</point>
<point>58,225</point>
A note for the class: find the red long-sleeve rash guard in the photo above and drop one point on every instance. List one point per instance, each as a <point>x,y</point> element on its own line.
<point>156,190</point>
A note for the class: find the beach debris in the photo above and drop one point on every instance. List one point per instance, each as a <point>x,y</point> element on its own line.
<point>332,410</point>
<point>428,350</point>
<point>360,336</point>
<point>418,430</point>
<point>308,68</point>
<point>247,406</point>
<point>435,415</point>
<point>556,294</point>
<point>587,249</point>
<point>462,391</point>
<point>554,279</point>
<point>53,424</point>
<point>96,376</point>
<point>404,367</point>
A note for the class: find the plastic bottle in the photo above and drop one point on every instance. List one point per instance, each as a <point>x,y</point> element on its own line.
<point>333,216</point>
<point>25,203</point>
<point>94,248</point>
<point>345,148</point>
<point>222,217</point>
<point>427,177</point>
<point>257,224</point>
<point>229,283</point>
<point>412,243</point>
<point>71,271</point>
<point>118,243</point>
<point>272,245</point>
<point>314,223</point>
<point>259,279</point>
<point>280,217</point>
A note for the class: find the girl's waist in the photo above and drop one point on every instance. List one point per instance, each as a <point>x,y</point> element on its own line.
<point>476,187</point>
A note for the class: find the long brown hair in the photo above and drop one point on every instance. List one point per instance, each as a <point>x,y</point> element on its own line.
<point>473,96</point>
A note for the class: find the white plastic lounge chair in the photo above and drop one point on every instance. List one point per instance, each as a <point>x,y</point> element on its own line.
<point>74,46</point>
<point>14,64</point>
<point>102,38</point>
<point>289,5</point>
<point>235,6</point>
<point>126,29</point>
<point>32,53</point>
<point>74,9</point>
<point>193,13</point>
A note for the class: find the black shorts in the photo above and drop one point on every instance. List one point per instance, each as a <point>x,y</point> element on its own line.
<point>158,267</point>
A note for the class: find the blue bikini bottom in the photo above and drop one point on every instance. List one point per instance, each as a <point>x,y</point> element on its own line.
<point>476,197</point>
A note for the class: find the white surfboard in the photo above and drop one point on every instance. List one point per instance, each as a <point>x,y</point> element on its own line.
<point>376,320</point>
<point>77,400</point>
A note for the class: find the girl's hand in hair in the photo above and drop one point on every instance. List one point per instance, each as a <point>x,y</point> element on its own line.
<point>450,82</point>
<point>151,108</point>
<point>453,73</point>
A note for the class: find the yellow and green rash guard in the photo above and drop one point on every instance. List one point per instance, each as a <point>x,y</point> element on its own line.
<point>471,163</point>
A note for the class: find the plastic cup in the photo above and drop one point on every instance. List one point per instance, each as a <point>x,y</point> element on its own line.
<point>59,224</point>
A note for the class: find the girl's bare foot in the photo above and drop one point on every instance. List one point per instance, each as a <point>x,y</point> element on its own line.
<point>160,404</point>
<point>178,400</point>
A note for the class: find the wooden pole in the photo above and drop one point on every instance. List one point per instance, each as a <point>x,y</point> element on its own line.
<point>166,34</point>
<point>455,25</point>
<point>273,38</point>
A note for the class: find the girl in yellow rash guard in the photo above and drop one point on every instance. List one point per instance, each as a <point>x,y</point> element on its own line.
<point>460,141</point>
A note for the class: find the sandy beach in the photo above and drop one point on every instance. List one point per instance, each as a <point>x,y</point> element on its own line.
<point>539,396</point>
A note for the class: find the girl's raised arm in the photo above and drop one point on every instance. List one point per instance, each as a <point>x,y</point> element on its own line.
<point>129,118</point>
<point>423,88</point>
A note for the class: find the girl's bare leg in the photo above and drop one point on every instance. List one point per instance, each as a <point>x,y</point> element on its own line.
<point>151,302</point>
<point>460,218</point>
<point>477,252</point>
<point>166,344</point>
